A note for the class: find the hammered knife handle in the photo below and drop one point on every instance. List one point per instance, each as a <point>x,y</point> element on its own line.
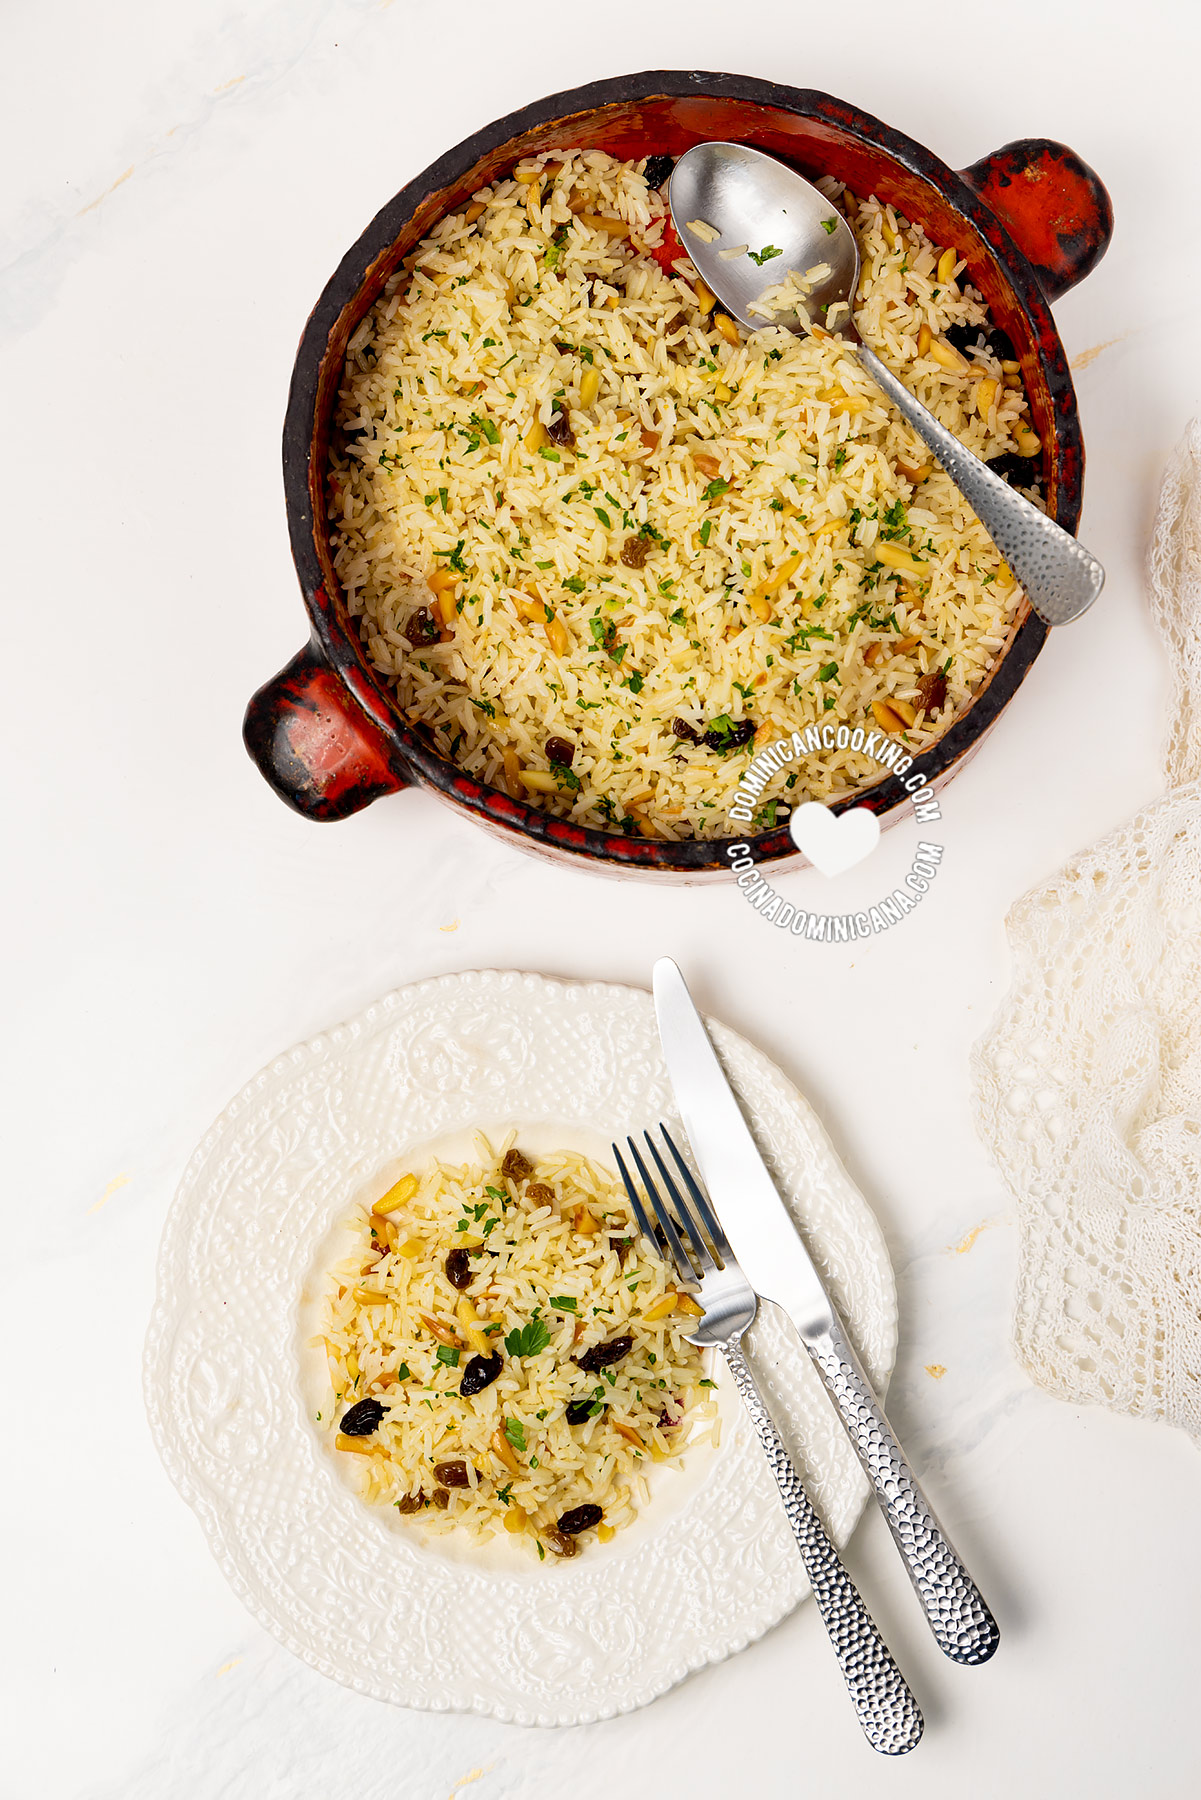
<point>963,1627</point>
<point>1061,578</point>
<point>889,1714</point>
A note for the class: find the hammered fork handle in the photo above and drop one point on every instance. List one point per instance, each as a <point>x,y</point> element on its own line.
<point>889,1714</point>
<point>963,1627</point>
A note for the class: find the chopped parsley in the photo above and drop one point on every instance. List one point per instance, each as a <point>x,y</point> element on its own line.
<point>563,1302</point>
<point>527,1340</point>
<point>403,1372</point>
<point>515,1432</point>
<point>715,490</point>
<point>828,672</point>
<point>448,1354</point>
<point>764,255</point>
<point>829,226</point>
<point>706,528</point>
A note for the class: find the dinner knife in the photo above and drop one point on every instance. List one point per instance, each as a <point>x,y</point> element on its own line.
<point>774,1258</point>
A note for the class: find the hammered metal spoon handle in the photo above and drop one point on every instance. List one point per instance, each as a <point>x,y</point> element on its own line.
<point>1060,577</point>
<point>889,1714</point>
<point>963,1627</point>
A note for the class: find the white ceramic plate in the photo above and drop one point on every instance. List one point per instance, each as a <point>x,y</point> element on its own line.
<point>709,1565</point>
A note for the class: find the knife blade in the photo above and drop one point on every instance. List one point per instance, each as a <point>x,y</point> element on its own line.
<point>753,1214</point>
<point>774,1259</point>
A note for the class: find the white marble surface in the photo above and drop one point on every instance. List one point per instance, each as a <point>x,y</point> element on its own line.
<point>179,182</point>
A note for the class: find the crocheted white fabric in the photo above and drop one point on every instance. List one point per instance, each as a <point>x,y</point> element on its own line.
<point>1088,1083</point>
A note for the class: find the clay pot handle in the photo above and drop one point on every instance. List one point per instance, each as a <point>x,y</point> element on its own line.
<point>316,748</point>
<point>1052,204</point>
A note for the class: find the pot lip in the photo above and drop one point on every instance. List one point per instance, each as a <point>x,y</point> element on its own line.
<point>345,654</point>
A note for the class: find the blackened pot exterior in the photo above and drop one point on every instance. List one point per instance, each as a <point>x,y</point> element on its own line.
<point>326,732</point>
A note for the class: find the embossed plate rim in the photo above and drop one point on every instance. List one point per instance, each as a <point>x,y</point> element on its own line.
<point>247,1507</point>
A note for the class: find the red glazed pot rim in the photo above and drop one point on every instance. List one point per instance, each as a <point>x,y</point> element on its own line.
<point>326,732</point>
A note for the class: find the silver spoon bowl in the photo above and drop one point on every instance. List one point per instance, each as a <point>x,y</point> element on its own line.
<point>753,200</point>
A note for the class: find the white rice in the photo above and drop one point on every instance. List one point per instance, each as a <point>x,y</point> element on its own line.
<point>554,1254</point>
<point>763,475</point>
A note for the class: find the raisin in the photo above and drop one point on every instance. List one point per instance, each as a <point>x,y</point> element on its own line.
<point>676,323</point>
<point>635,551</point>
<point>686,733</point>
<point>560,751</point>
<point>480,1373</point>
<point>362,1419</point>
<point>601,1355</point>
<point>422,628</point>
<point>411,1503</point>
<point>561,1544</point>
<point>580,1518</point>
<point>658,168</point>
<point>559,430</point>
<point>964,337</point>
<point>1018,471</point>
<point>1001,345</point>
<point>622,1247</point>
<point>452,1474</point>
<point>580,1411</point>
<point>540,1194</point>
<point>516,1166</point>
<point>440,1498</point>
<point>458,1269</point>
<point>932,691</point>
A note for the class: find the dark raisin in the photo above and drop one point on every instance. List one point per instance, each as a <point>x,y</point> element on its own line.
<point>458,1269</point>
<point>580,1518</point>
<point>362,1419</point>
<point>480,1373</point>
<point>559,430</point>
<point>1001,345</point>
<point>635,550</point>
<point>733,737</point>
<point>601,1355</point>
<point>422,628</point>
<point>622,1247</point>
<point>658,168</point>
<point>561,1544</point>
<point>411,1503</point>
<point>440,1498</point>
<point>676,323</point>
<point>963,337</point>
<point>932,691</point>
<point>1018,471</point>
<point>540,1194</point>
<point>452,1474</point>
<point>686,733</point>
<point>560,751</point>
<point>579,1411</point>
<point>516,1166</point>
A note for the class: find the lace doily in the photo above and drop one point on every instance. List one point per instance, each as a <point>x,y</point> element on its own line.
<point>1088,1083</point>
<point>709,1565</point>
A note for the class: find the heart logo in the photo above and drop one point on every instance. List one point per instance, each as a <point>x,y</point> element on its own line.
<point>834,843</point>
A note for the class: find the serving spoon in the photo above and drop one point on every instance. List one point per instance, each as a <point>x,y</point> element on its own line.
<point>749,198</point>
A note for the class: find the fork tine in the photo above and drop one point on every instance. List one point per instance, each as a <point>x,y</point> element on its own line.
<point>682,1213</point>
<point>679,1255</point>
<point>721,1242</point>
<point>645,1226</point>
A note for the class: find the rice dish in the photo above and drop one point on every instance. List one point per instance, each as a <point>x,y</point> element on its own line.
<point>604,545</point>
<point>506,1352</point>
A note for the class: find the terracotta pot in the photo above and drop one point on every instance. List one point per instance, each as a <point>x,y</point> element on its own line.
<point>1030,220</point>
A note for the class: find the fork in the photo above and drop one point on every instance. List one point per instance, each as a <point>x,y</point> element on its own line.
<point>889,1714</point>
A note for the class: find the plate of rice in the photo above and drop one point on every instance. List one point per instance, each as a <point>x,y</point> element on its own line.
<point>603,546</point>
<point>411,1363</point>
